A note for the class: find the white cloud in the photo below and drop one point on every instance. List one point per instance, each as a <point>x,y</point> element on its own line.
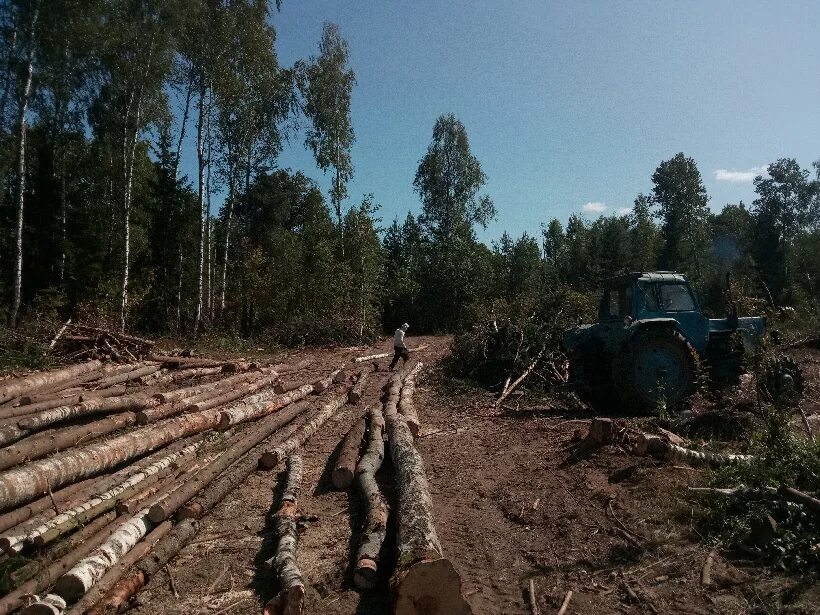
<point>595,207</point>
<point>738,177</point>
<point>623,211</point>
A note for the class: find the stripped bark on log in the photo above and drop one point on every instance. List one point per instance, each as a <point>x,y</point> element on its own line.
<point>138,401</point>
<point>238,447</point>
<point>422,575</point>
<point>42,444</point>
<point>271,459</point>
<point>114,574</point>
<point>660,448</point>
<point>406,407</point>
<point>291,597</point>
<point>357,391</point>
<point>345,467</point>
<point>128,376</point>
<point>56,402</point>
<point>26,482</point>
<point>95,506</point>
<point>233,395</point>
<point>186,374</point>
<point>375,527</point>
<point>250,411</point>
<point>14,600</point>
<point>20,386</point>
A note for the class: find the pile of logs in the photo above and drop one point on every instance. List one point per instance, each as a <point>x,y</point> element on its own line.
<point>79,341</point>
<point>107,467</point>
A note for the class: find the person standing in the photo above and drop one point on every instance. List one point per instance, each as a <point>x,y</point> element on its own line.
<point>399,348</point>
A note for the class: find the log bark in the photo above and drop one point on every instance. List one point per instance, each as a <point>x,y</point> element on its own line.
<point>26,482</point>
<point>232,395</point>
<point>185,374</point>
<point>290,421</point>
<point>345,466</point>
<point>24,513</point>
<point>24,573</point>
<point>250,410</point>
<point>186,361</point>
<point>375,528</point>
<point>50,604</point>
<point>660,448</point>
<point>290,599</point>
<point>163,510</point>
<point>57,337</point>
<point>193,391</point>
<point>114,574</point>
<point>384,355</point>
<point>56,402</point>
<point>271,459</point>
<point>422,574</point>
<point>285,387</point>
<point>406,407</point>
<point>26,384</point>
<point>14,600</point>
<point>97,505</point>
<point>133,374</point>
<point>357,391</point>
<point>320,386</point>
<point>42,444</point>
<point>34,422</point>
<point>793,495</point>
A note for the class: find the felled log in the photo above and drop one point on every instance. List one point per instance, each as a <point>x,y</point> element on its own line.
<point>320,386</point>
<point>14,600</point>
<point>384,355</point>
<point>114,574</point>
<point>345,467</point>
<point>95,506</point>
<point>20,386</point>
<point>186,361</point>
<point>283,387</point>
<point>289,421</point>
<point>91,568</point>
<point>357,391</point>
<point>28,481</point>
<point>423,575</point>
<point>56,402</point>
<point>24,513</point>
<point>662,449</point>
<point>118,596</point>
<point>186,374</point>
<point>798,497</point>
<point>291,596</point>
<point>406,407</point>
<point>60,333</point>
<point>42,444</point>
<point>133,374</point>
<point>50,604</point>
<point>238,447</point>
<point>271,459</point>
<point>123,403</point>
<point>232,395</point>
<point>375,527</point>
<point>122,337</point>
<point>251,410</point>
<point>11,432</point>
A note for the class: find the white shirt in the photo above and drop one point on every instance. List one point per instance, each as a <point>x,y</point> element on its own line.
<point>398,338</point>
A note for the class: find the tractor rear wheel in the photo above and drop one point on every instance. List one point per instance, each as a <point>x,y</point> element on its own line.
<point>656,371</point>
<point>589,373</point>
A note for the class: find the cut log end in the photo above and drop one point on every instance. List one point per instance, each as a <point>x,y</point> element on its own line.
<point>432,587</point>
<point>192,510</point>
<point>269,460</point>
<point>354,397</point>
<point>70,587</point>
<point>157,513</point>
<point>366,574</point>
<point>287,602</point>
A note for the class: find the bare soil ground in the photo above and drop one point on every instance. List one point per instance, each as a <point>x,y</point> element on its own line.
<point>510,506</point>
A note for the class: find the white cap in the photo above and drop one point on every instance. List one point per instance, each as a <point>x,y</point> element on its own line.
<point>405,326</point>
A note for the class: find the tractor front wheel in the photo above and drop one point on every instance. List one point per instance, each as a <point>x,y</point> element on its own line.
<point>656,372</point>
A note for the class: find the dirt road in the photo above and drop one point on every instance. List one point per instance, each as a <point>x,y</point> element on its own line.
<point>509,507</point>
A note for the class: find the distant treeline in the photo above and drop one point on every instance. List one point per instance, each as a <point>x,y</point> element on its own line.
<point>98,98</point>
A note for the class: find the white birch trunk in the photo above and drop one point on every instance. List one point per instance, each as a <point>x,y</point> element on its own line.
<point>21,177</point>
<point>262,404</point>
<point>200,151</point>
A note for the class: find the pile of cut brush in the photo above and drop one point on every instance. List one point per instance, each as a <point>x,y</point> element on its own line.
<point>76,341</point>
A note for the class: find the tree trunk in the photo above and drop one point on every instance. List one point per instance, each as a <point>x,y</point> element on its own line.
<point>137,401</point>
<point>272,458</point>
<point>375,527</point>
<point>66,397</point>
<point>27,384</point>
<point>660,448</point>
<point>357,391</point>
<point>189,93</point>
<point>21,175</point>
<point>251,410</point>
<point>406,408</point>
<point>342,476</point>
<point>228,216</point>
<point>200,152</point>
<point>129,375</point>
<point>290,600</point>
<point>25,513</point>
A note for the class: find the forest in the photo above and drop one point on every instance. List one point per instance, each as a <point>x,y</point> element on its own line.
<point>101,224</point>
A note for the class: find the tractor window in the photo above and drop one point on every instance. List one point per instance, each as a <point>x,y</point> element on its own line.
<point>650,298</point>
<point>618,302</point>
<point>676,298</point>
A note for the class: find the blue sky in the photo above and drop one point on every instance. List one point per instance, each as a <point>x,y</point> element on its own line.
<point>570,106</point>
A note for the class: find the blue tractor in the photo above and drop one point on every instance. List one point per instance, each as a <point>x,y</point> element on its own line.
<point>651,338</point>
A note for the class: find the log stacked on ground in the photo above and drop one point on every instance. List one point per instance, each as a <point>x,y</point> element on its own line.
<point>375,527</point>
<point>662,449</point>
<point>137,401</point>
<point>345,466</point>
<point>56,402</point>
<point>357,391</point>
<point>19,386</point>
<point>406,408</point>
<point>423,575</point>
<point>272,458</point>
<point>251,410</point>
<point>291,596</point>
